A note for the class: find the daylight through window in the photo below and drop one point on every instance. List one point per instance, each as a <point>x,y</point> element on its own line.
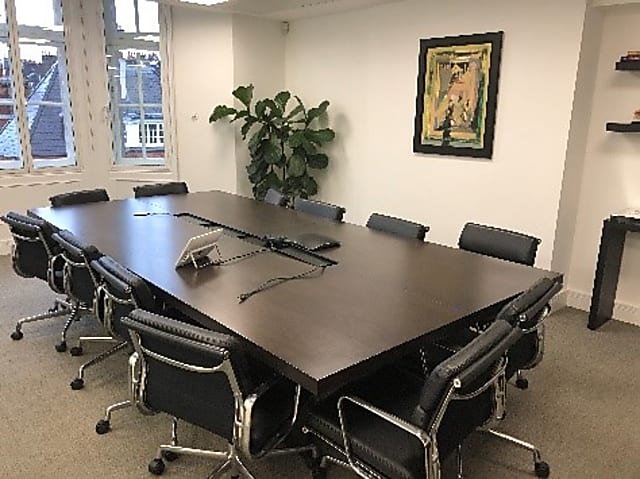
<point>132,33</point>
<point>36,128</point>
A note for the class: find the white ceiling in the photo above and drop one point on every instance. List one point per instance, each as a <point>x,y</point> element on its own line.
<point>285,9</point>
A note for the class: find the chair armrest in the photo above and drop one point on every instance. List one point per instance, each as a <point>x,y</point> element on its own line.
<point>261,391</point>
<point>546,312</point>
<point>406,426</point>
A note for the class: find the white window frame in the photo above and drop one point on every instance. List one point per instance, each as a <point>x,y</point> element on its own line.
<point>148,41</point>
<point>11,33</point>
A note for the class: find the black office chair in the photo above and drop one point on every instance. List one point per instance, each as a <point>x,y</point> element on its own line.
<point>35,255</point>
<point>79,280</point>
<point>119,292</point>
<point>274,197</point>
<point>319,208</point>
<point>508,245</point>
<point>79,197</point>
<point>397,226</point>
<point>526,312</point>
<point>205,378</point>
<point>400,425</point>
<point>157,189</point>
<point>499,243</point>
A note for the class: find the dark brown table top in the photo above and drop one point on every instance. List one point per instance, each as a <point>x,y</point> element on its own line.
<point>385,295</point>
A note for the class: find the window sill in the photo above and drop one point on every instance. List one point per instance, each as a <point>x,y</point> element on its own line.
<point>15,179</point>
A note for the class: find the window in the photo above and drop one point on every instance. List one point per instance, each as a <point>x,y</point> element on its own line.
<point>36,128</point>
<point>134,69</point>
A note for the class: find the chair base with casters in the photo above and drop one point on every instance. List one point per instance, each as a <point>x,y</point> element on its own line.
<point>59,308</point>
<point>103,426</point>
<point>78,381</point>
<point>205,378</point>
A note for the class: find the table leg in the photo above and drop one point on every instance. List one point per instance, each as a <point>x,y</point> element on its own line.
<point>607,273</point>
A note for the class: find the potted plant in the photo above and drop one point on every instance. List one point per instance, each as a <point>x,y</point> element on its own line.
<point>284,146</point>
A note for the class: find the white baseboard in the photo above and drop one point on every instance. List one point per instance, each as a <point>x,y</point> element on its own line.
<point>627,313</point>
<point>5,246</point>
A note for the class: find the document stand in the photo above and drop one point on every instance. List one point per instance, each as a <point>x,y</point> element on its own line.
<point>197,249</point>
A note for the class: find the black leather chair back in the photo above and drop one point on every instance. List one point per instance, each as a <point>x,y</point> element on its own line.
<point>80,280</point>
<point>397,226</point>
<point>274,197</point>
<point>79,197</point>
<point>170,188</point>
<point>471,365</point>
<point>525,310</point>
<point>206,400</point>
<point>33,246</point>
<point>319,208</point>
<point>499,243</point>
<point>119,293</point>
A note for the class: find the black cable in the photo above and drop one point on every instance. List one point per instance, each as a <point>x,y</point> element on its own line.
<point>270,283</point>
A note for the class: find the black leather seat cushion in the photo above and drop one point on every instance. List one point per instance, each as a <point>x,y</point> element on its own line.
<point>387,448</point>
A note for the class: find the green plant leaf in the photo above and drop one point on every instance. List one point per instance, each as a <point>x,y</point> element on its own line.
<point>256,138</point>
<point>308,147</point>
<point>261,107</point>
<point>256,171</point>
<point>318,137</point>
<point>240,114</point>
<point>282,99</point>
<point>318,111</point>
<point>249,122</point>
<point>296,138</point>
<point>244,94</point>
<point>296,111</point>
<point>310,185</point>
<point>221,111</point>
<point>296,165</point>
<point>318,161</point>
<point>271,151</point>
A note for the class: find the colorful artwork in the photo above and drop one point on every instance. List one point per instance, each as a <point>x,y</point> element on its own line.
<point>457,92</point>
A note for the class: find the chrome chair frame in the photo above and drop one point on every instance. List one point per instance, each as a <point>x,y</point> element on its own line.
<point>60,307</point>
<point>77,306</point>
<point>240,446</point>
<point>106,318</point>
<point>428,438</point>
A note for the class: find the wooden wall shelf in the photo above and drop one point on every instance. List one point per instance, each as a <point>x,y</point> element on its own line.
<point>633,127</point>
<point>628,65</point>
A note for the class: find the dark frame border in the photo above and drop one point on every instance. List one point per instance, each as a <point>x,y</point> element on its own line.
<point>495,38</point>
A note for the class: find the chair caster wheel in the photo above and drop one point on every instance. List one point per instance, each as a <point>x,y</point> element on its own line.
<point>76,351</point>
<point>61,347</point>
<point>169,456</point>
<point>102,426</point>
<point>522,383</point>
<point>17,335</point>
<point>77,383</point>
<point>542,469</point>
<point>156,467</point>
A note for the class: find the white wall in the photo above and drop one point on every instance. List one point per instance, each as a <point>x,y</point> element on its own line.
<point>202,51</point>
<point>611,166</point>
<point>365,63</point>
<point>258,51</point>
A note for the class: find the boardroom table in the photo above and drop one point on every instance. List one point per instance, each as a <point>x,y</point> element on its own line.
<point>377,298</point>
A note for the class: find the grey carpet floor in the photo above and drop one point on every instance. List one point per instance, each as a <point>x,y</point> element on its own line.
<point>581,409</point>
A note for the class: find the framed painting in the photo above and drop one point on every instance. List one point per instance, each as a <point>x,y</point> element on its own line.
<point>457,95</point>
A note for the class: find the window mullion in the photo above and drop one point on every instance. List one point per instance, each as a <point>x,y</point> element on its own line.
<point>19,94</point>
